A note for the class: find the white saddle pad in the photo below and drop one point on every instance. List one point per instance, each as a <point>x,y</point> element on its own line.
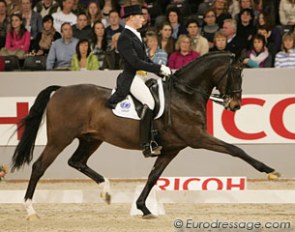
<point>126,108</point>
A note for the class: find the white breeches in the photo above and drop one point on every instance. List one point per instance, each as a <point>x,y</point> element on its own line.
<point>141,92</point>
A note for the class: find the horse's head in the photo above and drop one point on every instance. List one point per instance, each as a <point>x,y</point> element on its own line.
<point>231,87</point>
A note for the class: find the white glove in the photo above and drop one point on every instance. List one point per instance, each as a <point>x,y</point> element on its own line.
<point>165,71</point>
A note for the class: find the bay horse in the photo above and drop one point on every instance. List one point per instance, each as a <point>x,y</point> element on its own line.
<point>79,111</point>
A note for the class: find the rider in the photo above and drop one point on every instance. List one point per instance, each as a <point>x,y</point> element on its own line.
<point>132,80</point>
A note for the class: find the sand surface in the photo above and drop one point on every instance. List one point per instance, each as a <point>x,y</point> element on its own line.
<point>99,217</point>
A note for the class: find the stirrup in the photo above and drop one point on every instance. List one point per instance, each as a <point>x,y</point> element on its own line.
<point>152,149</point>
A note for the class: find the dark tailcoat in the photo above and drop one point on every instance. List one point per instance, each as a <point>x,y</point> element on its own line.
<point>133,54</point>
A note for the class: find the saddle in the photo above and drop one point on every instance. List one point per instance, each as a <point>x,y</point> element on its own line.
<point>130,107</point>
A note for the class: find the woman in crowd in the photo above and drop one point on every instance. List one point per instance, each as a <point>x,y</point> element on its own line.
<point>154,52</point>
<point>84,59</point>
<point>99,41</point>
<point>258,56</point>
<point>94,14</point>
<point>166,42</point>
<point>45,38</point>
<point>245,26</point>
<point>210,26</point>
<point>17,39</point>
<point>173,16</point>
<point>286,57</point>
<point>219,42</point>
<point>183,54</point>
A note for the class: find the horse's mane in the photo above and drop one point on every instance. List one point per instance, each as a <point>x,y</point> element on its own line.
<point>201,61</point>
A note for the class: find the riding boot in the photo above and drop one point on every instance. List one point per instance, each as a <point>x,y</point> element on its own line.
<point>150,147</point>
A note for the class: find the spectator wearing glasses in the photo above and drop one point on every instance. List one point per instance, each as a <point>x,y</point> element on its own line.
<point>210,26</point>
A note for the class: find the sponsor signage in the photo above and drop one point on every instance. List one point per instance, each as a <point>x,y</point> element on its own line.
<point>262,119</point>
<point>202,183</point>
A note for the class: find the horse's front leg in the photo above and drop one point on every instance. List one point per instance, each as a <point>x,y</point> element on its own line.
<point>211,143</point>
<point>161,163</point>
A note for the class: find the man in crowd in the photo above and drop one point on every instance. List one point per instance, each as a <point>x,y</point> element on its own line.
<point>62,50</point>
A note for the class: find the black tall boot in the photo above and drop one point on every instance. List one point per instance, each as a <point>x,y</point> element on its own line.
<point>150,148</point>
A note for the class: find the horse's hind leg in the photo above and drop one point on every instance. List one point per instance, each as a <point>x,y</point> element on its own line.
<point>214,144</point>
<point>48,155</point>
<point>87,146</point>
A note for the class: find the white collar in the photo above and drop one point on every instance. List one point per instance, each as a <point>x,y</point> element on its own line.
<point>134,32</point>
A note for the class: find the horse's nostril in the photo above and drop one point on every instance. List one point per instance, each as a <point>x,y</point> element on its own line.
<point>237,107</point>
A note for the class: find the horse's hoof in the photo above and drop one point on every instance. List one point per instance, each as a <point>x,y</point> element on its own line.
<point>273,175</point>
<point>32,217</point>
<point>149,216</point>
<point>106,197</point>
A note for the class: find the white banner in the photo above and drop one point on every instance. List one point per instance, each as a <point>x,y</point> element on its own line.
<point>262,119</point>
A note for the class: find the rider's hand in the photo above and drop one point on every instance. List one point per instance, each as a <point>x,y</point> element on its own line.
<point>165,71</point>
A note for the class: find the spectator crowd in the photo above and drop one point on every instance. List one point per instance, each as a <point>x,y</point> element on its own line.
<point>81,35</point>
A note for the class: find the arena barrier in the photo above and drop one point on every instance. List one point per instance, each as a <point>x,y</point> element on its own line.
<point>264,128</point>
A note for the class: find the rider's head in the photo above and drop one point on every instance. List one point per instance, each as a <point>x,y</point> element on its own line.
<point>133,16</point>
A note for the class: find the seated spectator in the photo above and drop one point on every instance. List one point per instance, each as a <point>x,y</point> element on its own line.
<point>258,56</point>
<point>166,42</point>
<point>183,54</point>
<point>220,8</point>
<point>173,16</point>
<point>93,13</point>
<point>114,27</point>
<point>32,20</point>
<point>99,42</point>
<point>146,23</point>
<point>14,7</point>
<point>106,6</point>
<point>287,13</point>
<point>62,50</point>
<point>81,30</point>
<point>265,31</point>
<point>4,22</point>
<point>65,15</point>
<point>199,43</point>
<point>286,57</point>
<point>84,59</point>
<point>234,43</point>
<point>78,7</point>
<point>45,38</point>
<point>248,4</point>
<point>17,39</point>
<point>46,7</point>
<point>245,27</point>
<point>112,59</point>
<point>275,32</point>
<point>210,26</point>
<point>154,52</point>
<point>219,42</point>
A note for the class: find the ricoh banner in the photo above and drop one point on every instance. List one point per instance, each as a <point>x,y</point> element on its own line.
<point>262,119</point>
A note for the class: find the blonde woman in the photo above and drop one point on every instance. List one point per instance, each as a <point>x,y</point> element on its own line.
<point>286,57</point>
<point>183,54</point>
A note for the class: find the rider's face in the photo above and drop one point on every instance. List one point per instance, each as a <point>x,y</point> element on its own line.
<point>137,21</point>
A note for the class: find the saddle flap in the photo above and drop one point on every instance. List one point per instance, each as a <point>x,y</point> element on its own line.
<point>131,107</point>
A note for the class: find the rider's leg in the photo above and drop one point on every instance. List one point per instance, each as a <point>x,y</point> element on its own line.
<point>141,92</point>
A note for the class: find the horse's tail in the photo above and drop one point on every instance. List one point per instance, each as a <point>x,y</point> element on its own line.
<point>24,150</point>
